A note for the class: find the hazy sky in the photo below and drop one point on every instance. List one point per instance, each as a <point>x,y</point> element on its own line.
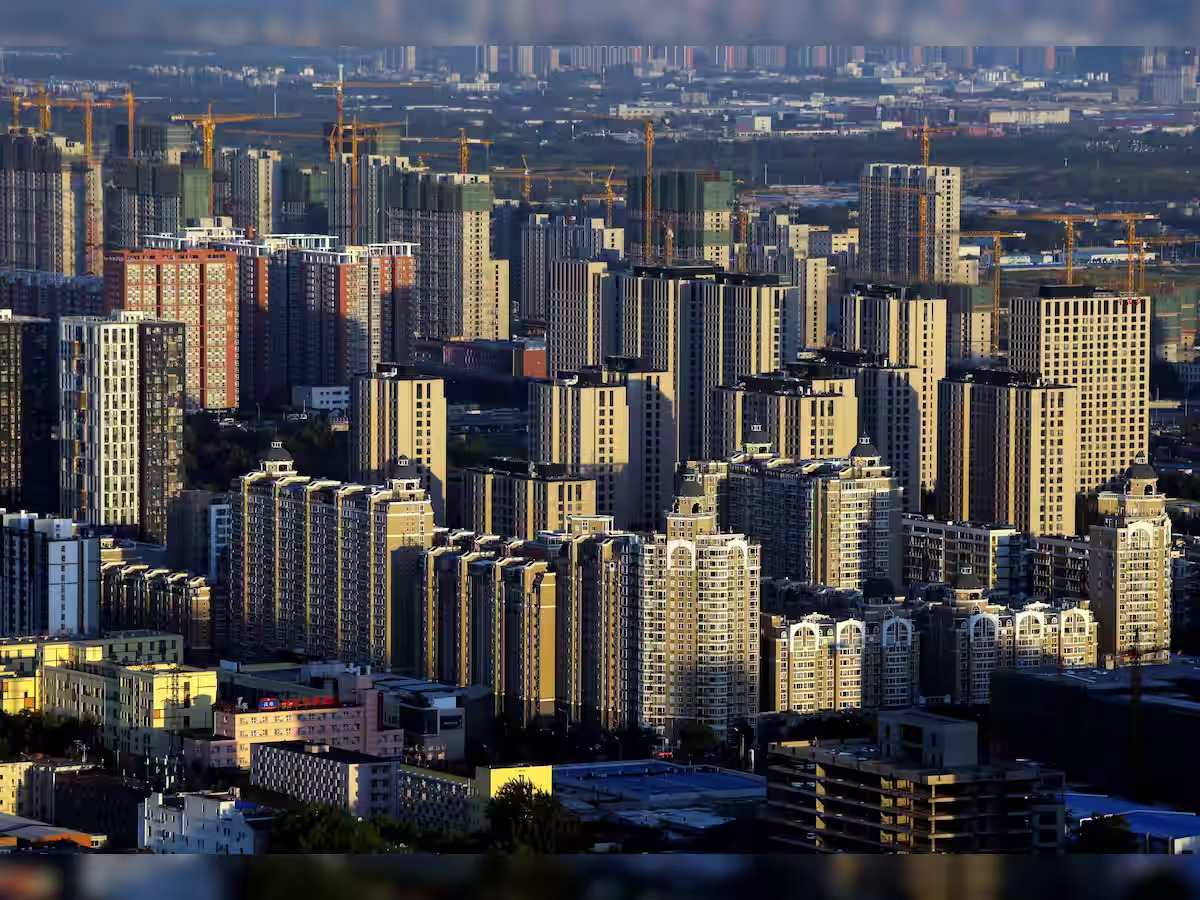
<point>382,22</point>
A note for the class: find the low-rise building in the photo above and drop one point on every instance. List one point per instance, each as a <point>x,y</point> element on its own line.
<point>823,663</point>
<point>22,659</point>
<point>921,788</point>
<point>237,727</point>
<point>332,399</point>
<point>136,706</point>
<point>207,822</point>
<point>362,785</point>
<point>19,833</point>
<point>973,634</point>
<point>443,801</point>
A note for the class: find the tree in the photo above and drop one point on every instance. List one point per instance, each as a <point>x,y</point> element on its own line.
<point>696,739</point>
<point>322,829</point>
<point>1105,834</point>
<point>527,820</point>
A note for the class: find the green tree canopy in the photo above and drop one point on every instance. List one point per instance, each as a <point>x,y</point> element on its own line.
<point>526,820</point>
<point>1105,834</point>
<point>322,829</point>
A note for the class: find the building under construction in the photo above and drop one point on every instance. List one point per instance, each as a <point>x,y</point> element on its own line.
<point>51,205</point>
<point>695,207</point>
<point>144,197</point>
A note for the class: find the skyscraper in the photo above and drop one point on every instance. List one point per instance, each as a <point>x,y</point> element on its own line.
<point>1007,451</point>
<point>580,315</point>
<point>122,390</point>
<point>255,188</point>
<point>695,207</point>
<point>349,309</point>
<point>1099,342</point>
<point>832,522</point>
<point>145,196</point>
<point>49,576</point>
<point>697,622</point>
<point>396,413</point>
<point>899,330</point>
<point>197,287</point>
<point>462,293</point>
<point>617,424</point>
<point>322,565</point>
<point>51,205</point>
<point>545,240</point>
<point>1129,568</point>
<point>890,197</point>
<point>28,413</point>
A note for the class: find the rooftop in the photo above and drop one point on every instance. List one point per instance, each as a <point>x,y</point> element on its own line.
<point>653,782</point>
<point>323,751</point>
<point>1175,684</point>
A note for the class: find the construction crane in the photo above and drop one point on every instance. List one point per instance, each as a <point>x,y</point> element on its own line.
<point>1069,220</point>
<point>339,89</point>
<point>45,105</point>
<point>997,237</point>
<point>208,123</point>
<point>609,198</point>
<point>925,131</point>
<point>17,101</point>
<point>648,194</point>
<point>464,146</point>
<point>1155,241</point>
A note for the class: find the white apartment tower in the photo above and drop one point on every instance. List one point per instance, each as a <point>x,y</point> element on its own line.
<point>1099,342</point>
<point>1129,568</point>
<point>49,576</point>
<point>890,198</point>
<point>698,621</point>
<point>122,384</point>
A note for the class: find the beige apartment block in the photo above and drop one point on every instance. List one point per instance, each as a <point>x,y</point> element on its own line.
<point>890,200</point>
<point>514,498</point>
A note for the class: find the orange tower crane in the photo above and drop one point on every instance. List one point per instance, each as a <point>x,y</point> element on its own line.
<point>925,131</point>
<point>998,237</point>
<point>16,108</point>
<point>648,193</point>
<point>1156,241</point>
<point>923,194</point>
<point>339,89</point>
<point>208,122</point>
<point>1069,220</point>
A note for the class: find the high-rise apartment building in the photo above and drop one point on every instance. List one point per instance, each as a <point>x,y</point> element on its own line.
<point>349,310</point>
<point>1129,568</point>
<point>598,608</point>
<point>802,413</point>
<point>616,424</point>
<point>1099,342</point>
<point>462,293</point>
<point>695,207</point>
<point>135,596</point>
<point>972,634</point>
<point>325,566</point>
<point>51,205</point>
<point>28,413</point>
<point>146,196</point>
<point>271,324</point>
<point>580,315</point>
<point>51,295</point>
<point>435,639</point>
<point>197,287</point>
<point>1007,451</point>
<point>697,621</point>
<point>396,413</point>
<point>890,198</point>
<point>828,521</point>
<point>122,390</point>
<point>901,332</point>
<point>824,663</point>
<point>545,240</point>
<point>934,551</point>
<point>518,499</point>
<point>49,576</point>
<point>255,188</point>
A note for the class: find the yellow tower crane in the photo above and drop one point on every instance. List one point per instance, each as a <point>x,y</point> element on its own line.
<point>925,131</point>
<point>208,121</point>
<point>648,193</point>
<point>1069,220</point>
<point>339,89</point>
